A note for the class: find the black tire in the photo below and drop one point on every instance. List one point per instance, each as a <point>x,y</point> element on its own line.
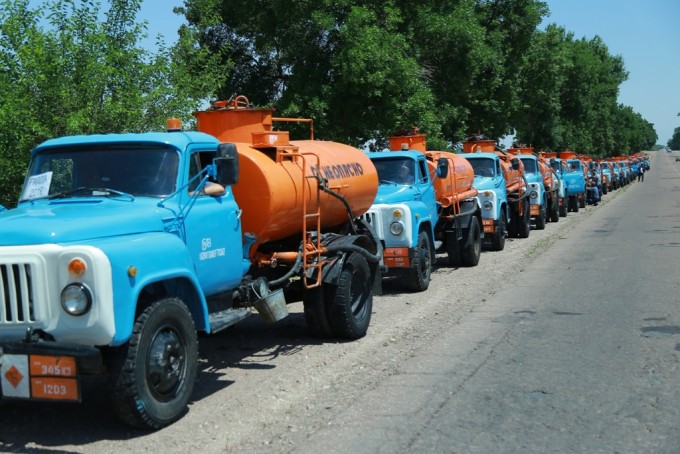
<point>577,204</point>
<point>604,190</point>
<point>418,276</point>
<point>563,209</point>
<point>155,377</point>
<point>453,249</point>
<point>498,237</point>
<point>472,247</point>
<point>349,303</point>
<point>554,211</point>
<point>524,222</point>
<point>581,202</point>
<point>315,313</point>
<point>541,218</point>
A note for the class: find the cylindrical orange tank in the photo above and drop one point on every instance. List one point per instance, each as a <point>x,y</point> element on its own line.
<point>546,172</point>
<point>457,185</point>
<point>278,177</point>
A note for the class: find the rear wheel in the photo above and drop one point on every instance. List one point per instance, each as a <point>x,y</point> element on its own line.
<point>418,276</point>
<point>453,249</point>
<point>472,247</point>
<point>155,377</point>
<point>524,222</point>
<point>554,211</point>
<point>498,237</point>
<point>563,208</point>
<point>541,218</point>
<point>349,303</point>
<point>581,202</point>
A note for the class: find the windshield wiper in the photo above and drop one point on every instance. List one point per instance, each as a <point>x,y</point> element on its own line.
<point>107,192</point>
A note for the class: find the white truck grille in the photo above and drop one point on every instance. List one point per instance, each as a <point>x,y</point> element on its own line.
<point>16,294</point>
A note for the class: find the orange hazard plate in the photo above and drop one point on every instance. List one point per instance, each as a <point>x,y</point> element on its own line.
<point>488,229</point>
<point>52,366</point>
<point>54,388</point>
<point>397,262</point>
<point>534,210</point>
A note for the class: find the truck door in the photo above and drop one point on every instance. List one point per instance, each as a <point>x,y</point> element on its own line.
<point>426,189</point>
<point>213,233</point>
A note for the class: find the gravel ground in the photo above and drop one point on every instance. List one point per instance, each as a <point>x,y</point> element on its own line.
<point>269,387</point>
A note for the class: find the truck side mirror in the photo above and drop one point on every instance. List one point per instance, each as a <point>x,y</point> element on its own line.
<point>515,163</point>
<point>226,163</point>
<point>442,167</point>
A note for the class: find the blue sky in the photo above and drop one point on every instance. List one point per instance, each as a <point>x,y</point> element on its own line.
<point>643,33</point>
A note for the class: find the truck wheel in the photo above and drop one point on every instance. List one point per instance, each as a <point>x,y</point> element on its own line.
<point>472,247</point>
<point>453,249</point>
<point>582,202</point>
<point>577,203</point>
<point>349,303</point>
<point>498,237</point>
<point>156,376</point>
<point>563,209</point>
<point>524,223</point>
<point>554,211</point>
<point>541,218</point>
<point>418,276</point>
<point>315,312</point>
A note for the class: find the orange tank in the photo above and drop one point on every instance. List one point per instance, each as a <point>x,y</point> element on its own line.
<point>546,172</point>
<point>278,178</point>
<point>457,185</point>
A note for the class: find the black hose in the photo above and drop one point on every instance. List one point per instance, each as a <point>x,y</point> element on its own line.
<point>323,187</point>
<point>354,248</point>
<point>294,269</point>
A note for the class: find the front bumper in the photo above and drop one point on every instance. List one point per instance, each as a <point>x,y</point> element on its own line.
<point>43,370</point>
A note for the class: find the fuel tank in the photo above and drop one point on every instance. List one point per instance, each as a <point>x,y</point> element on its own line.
<point>278,178</point>
<point>457,185</point>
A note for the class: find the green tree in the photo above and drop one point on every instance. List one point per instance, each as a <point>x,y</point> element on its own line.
<point>674,142</point>
<point>64,71</point>
<point>364,68</point>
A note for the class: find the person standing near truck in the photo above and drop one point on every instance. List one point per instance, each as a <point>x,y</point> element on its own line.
<point>641,173</point>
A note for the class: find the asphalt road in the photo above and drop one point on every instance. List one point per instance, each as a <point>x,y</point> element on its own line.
<point>578,354</point>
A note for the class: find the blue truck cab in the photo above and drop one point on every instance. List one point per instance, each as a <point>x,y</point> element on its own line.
<point>492,196</point>
<point>575,182</point>
<point>559,169</point>
<point>607,177</point>
<point>617,177</point>
<point>404,216</point>
<point>123,246</point>
<point>538,196</point>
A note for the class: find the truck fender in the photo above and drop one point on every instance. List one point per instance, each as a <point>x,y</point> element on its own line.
<point>343,246</point>
<point>173,275</point>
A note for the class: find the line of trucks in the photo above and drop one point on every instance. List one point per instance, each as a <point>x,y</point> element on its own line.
<point>124,246</point>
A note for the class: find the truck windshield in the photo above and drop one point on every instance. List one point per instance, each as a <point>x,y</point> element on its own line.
<point>529,166</point>
<point>395,171</point>
<point>483,167</point>
<point>138,170</point>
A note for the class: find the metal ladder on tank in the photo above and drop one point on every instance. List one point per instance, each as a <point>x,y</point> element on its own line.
<point>311,216</point>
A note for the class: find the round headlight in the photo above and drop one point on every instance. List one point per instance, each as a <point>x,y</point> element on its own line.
<point>396,228</point>
<point>487,205</point>
<point>76,299</point>
<point>533,194</point>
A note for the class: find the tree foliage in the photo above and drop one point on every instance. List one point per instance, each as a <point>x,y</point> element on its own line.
<point>65,69</point>
<point>674,142</point>
<point>360,68</point>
